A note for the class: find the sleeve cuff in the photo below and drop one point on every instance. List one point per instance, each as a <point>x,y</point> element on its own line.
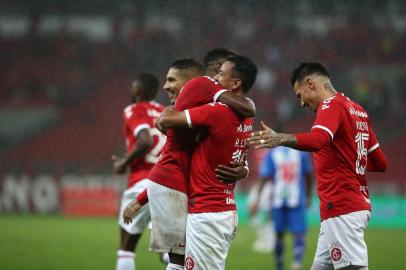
<point>218,94</point>
<point>373,148</point>
<point>188,119</point>
<point>325,129</point>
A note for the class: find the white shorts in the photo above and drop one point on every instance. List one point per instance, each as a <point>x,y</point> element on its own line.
<point>141,220</point>
<point>208,238</point>
<point>168,215</point>
<point>341,240</point>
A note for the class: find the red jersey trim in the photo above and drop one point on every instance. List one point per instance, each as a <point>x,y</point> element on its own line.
<point>325,129</point>
<point>188,119</point>
<point>373,148</point>
<point>139,128</point>
<point>218,94</point>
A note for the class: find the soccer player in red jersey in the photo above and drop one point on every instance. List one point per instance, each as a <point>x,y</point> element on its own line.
<point>166,192</point>
<point>212,217</point>
<point>345,147</point>
<point>144,144</point>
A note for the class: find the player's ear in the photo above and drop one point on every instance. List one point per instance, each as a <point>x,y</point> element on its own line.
<point>310,83</point>
<point>237,83</point>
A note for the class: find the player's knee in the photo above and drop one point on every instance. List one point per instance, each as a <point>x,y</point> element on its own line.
<point>321,266</point>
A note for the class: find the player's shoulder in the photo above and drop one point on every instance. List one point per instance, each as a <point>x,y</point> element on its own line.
<point>219,107</point>
<point>155,105</point>
<point>201,81</point>
<point>352,107</point>
<point>336,102</point>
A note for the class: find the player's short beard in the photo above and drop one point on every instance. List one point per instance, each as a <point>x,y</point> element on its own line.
<point>133,99</point>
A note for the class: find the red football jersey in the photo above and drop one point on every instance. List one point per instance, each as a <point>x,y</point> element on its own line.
<point>172,170</point>
<point>223,139</point>
<point>136,117</point>
<point>341,164</point>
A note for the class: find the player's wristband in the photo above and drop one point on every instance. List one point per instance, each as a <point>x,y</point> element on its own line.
<point>142,198</point>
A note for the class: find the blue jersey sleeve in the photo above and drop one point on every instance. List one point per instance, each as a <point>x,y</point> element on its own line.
<point>307,165</point>
<point>267,169</point>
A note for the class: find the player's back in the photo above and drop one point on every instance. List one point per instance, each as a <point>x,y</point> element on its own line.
<point>172,170</point>
<point>137,117</point>
<point>341,165</point>
<point>223,139</point>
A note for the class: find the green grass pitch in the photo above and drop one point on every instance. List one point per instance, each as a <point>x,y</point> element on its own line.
<point>44,242</point>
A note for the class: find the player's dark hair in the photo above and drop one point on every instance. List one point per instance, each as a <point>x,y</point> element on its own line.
<point>306,69</point>
<point>215,55</point>
<point>149,85</point>
<point>245,69</point>
<point>188,64</point>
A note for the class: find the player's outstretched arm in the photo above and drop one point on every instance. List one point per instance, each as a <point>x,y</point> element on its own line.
<point>234,173</point>
<point>172,119</point>
<point>267,138</point>
<point>242,106</point>
<point>144,142</point>
<point>310,141</point>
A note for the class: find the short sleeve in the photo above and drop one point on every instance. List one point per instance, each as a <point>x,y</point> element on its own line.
<point>307,165</point>
<point>197,92</point>
<point>205,115</point>
<point>137,120</point>
<point>267,168</point>
<point>373,141</point>
<point>328,117</point>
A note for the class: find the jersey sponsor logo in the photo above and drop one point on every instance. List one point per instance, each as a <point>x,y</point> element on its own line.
<point>244,128</point>
<point>189,263</point>
<point>230,200</point>
<point>358,113</point>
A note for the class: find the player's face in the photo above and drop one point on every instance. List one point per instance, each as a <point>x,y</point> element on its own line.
<point>226,76</point>
<point>304,91</point>
<point>174,83</point>
<point>135,90</point>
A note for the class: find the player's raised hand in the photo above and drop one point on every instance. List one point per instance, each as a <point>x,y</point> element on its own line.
<point>266,138</point>
<point>130,211</point>
<point>119,164</point>
<point>232,174</point>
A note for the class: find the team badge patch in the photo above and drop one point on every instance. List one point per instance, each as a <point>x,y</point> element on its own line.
<point>189,263</point>
<point>336,254</point>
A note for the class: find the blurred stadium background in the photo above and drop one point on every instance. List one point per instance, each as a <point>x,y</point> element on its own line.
<point>65,72</point>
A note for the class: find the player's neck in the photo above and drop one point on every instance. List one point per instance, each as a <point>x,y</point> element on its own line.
<point>328,91</point>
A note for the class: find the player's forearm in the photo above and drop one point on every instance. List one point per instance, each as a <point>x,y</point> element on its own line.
<point>311,141</point>
<point>239,104</point>
<point>377,161</point>
<point>173,119</point>
<point>144,142</point>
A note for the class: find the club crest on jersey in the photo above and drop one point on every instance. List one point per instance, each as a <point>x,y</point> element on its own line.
<point>189,263</point>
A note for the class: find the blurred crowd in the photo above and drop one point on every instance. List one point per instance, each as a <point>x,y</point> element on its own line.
<point>362,45</point>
